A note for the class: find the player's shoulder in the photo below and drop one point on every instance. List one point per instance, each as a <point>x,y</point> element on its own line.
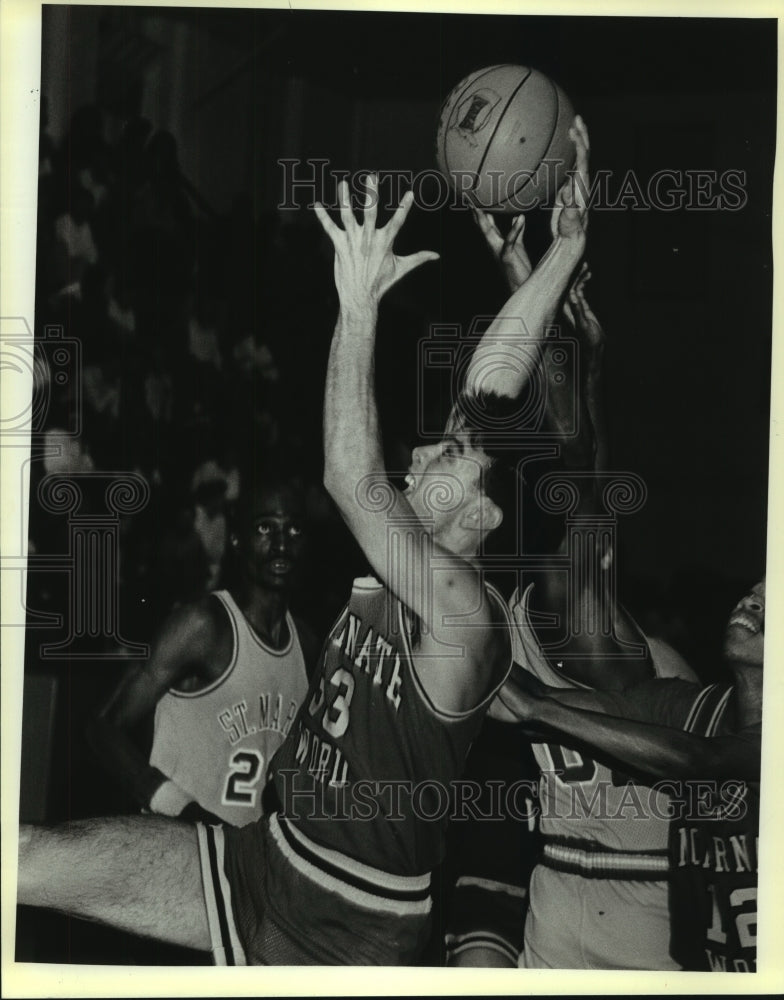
<point>667,661</point>
<point>199,624</point>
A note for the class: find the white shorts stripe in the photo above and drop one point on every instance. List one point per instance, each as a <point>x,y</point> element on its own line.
<point>226,946</point>
<point>631,865</point>
<point>375,876</point>
<point>359,897</point>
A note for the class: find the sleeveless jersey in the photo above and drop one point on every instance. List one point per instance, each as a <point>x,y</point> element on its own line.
<point>713,848</point>
<point>368,767</point>
<point>578,795</point>
<point>217,743</point>
<point>605,849</point>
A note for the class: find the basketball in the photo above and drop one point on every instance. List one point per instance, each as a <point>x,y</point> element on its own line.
<point>503,138</point>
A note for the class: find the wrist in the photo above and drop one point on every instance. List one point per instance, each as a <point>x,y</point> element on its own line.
<point>569,248</point>
<point>359,311</point>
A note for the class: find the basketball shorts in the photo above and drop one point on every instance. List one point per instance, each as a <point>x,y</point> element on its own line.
<point>578,922</point>
<point>275,897</point>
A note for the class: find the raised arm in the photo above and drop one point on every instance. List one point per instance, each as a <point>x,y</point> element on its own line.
<point>186,637</point>
<point>532,307</point>
<point>443,589</point>
<point>583,320</point>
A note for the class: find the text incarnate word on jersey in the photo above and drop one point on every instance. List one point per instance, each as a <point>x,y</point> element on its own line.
<point>370,655</point>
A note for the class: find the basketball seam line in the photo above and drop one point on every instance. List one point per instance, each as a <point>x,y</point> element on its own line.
<point>458,99</point>
<point>457,105</point>
<point>520,187</point>
<point>500,119</point>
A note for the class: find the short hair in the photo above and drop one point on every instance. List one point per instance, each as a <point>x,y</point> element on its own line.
<point>480,417</point>
<point>266,475</point>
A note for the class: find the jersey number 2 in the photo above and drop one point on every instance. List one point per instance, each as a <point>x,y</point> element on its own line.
<point>745,922</point>
<point>246,768</point>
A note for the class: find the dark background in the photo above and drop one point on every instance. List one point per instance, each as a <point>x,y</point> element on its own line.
<point>685,296</point>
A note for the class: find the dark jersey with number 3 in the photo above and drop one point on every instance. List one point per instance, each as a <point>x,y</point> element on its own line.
<point>368,766</point>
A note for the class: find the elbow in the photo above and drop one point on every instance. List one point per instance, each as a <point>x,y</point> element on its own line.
<point>355,488</point>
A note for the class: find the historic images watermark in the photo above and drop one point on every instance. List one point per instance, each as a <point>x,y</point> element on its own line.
<point>322,793</point>
<point>43,408</point>
<point>306,181</point>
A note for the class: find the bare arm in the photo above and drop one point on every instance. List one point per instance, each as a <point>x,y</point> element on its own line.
<point>435,584</point>
<point>186,638</point>
<point>522,690</point>
<point>532,307</point>
<point>621,727</point>
<point>583,319</point>
<point>574,417</point>
<point>651,750</point>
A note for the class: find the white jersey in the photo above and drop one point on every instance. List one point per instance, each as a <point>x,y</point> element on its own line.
<point>599,895</point>
<point>217,743</point>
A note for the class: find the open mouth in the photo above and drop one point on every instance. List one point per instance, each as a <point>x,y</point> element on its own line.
<point>281,566</point>
<point>744,621</point>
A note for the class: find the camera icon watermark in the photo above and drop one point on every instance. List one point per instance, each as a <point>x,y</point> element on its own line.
<point>450,368</point>
<point>42,380</point>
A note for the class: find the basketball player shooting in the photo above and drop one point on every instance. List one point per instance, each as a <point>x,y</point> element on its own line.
<point>394,705</point>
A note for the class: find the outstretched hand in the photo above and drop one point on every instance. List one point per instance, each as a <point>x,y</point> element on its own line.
<point>509,250</point>
<point>570,214</point>
<point>365,264</point>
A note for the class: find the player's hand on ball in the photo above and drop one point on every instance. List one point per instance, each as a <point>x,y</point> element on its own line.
<point>570,214</point>
<point>365,264</point>
<point>509,250</point>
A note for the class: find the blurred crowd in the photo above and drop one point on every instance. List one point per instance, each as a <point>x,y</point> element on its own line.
<point>203,345</point>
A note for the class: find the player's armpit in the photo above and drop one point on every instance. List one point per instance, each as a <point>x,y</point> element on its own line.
<point>461,660</point>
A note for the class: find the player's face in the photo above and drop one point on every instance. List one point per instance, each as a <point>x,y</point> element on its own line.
<point>744,639</point>
<point>273,539</point>
<point>444,482</point>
